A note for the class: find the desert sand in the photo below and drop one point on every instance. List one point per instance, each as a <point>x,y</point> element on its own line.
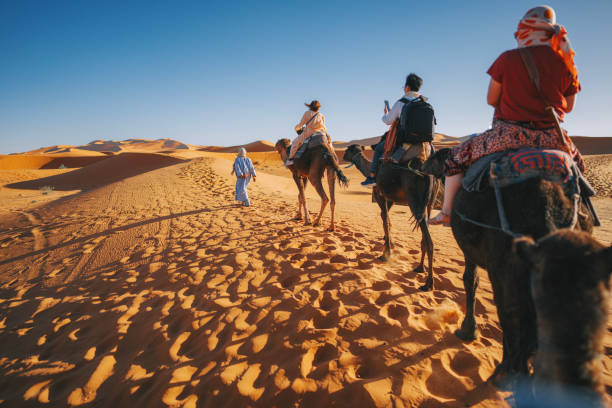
<point>131,278</point>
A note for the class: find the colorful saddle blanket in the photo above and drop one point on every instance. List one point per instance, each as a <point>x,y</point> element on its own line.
<point>523,164</point>
<point>519,165</point>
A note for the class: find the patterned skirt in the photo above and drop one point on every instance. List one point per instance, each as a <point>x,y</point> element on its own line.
<point>507,136</point>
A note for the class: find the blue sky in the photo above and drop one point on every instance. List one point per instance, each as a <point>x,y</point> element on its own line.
<point>227,73</point>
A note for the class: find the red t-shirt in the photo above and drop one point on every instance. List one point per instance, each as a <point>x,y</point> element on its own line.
<point>519,98</point>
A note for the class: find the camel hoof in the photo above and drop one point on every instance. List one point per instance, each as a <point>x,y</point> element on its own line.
<point>331,229</point>
<point>419,269</point>
<point>503,378</point>
<point>426,287</point>
<point>466,335</point>
<point>315,224</point>
<point>385,257</point>
<point>307,223</point>
<point>298,218</point>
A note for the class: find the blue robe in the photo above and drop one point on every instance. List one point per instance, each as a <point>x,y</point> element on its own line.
<point>243,167</point>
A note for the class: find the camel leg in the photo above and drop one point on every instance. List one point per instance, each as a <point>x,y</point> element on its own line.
<point>385,206</point>
<point>426,247</point>
<point>298,183</point>
<point>467,332</point>
<point>318,186</point>
<point>434,194</point>
<point>518,326</point>
<point>331,182</point>
<point>304,182</point>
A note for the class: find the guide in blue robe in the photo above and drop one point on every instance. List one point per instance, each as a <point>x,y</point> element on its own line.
<point>243,167</point>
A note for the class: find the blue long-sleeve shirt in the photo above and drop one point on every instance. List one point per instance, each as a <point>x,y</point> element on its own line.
<point>244,166</point>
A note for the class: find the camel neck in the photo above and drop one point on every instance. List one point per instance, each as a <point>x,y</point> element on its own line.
<point>363,165</point>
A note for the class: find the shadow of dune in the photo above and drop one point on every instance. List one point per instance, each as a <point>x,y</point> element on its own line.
<point>108,169</point>
<point>26,161</point>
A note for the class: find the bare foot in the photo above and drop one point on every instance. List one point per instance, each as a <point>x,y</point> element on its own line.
<point>441,219</point>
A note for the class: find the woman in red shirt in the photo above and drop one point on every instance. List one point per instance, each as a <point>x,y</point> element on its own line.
<point>520,119</point>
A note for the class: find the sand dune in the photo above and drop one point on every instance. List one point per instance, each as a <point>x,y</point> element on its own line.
<point>258,146</point>
<point>23,161</point>
<point>111,146</point>
<point>103,172</point>
<point>154,289</point>
<point>439,139</point>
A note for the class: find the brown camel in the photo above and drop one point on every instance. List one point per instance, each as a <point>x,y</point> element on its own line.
<point>311,166</point>
<point>570,286</point>
<point>395,184</point>
<point>535,208</point>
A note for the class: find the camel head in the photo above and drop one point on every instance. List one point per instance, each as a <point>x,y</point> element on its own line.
<point>282,145</point>
<point>434,165</point>
<point>352,151</point>
<point>570,286</point>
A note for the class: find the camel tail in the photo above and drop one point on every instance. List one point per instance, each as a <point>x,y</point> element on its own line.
<point>333,163</point>
<point>342,180</point>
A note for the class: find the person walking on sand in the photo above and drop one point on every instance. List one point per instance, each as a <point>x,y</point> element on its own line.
<point>520,118</point>
<point>244,170</point>
<point>312,122</point>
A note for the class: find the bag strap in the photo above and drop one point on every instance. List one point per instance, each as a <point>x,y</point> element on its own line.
<point>310,120</point>
<point>534,76</point>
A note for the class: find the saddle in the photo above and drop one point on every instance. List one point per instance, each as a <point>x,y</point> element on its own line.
<point>315,140</point>
<point>420,151</point>
<point>505,168</point>
<point>519,165</point>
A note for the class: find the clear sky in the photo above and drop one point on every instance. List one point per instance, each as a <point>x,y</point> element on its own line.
<point>227,73</point>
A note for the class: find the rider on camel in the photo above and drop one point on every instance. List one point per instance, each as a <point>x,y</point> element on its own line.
<point>520,118</point>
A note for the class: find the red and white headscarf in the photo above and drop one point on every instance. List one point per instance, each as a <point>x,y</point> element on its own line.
<point>539,27</point>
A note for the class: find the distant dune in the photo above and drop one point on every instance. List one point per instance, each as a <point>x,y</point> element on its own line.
<point>257,146</point>
<point>27,161</point>
<point>111,146</point>
<point>109,170</point>
<point>593,145</point>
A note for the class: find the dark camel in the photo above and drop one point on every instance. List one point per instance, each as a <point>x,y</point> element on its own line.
<point>534,207</point>
<point>401,186</point>
<point>311,166</point>
<point>570,286</point>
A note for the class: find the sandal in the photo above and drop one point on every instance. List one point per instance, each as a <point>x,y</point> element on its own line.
<point>441,219</point>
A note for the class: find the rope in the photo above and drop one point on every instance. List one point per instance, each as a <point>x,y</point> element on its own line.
<point>410,169</point>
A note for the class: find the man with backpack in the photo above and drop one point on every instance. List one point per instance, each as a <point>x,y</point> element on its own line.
<point>414,117</point>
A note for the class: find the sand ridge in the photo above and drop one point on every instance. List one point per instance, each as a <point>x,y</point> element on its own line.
<point>154,289</point>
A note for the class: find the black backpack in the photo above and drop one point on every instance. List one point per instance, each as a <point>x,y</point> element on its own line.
<point>417,121</point>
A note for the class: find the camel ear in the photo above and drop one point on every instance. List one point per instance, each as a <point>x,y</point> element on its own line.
<point>525,248</point>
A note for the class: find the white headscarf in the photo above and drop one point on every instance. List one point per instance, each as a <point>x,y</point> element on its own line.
<point>242,152</point>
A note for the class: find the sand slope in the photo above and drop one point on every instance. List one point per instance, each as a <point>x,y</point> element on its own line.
<point>110,170</point>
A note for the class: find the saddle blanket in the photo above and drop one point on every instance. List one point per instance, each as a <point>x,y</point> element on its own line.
<point>317,139</point>
<point>516,166</point>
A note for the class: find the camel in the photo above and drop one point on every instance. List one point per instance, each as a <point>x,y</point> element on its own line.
<point>311,166</point>
<point>395,184</point>
<point>570,286</point>
<point>534,207</point>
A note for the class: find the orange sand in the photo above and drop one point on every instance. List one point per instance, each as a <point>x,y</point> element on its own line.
<point>138,282</point>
